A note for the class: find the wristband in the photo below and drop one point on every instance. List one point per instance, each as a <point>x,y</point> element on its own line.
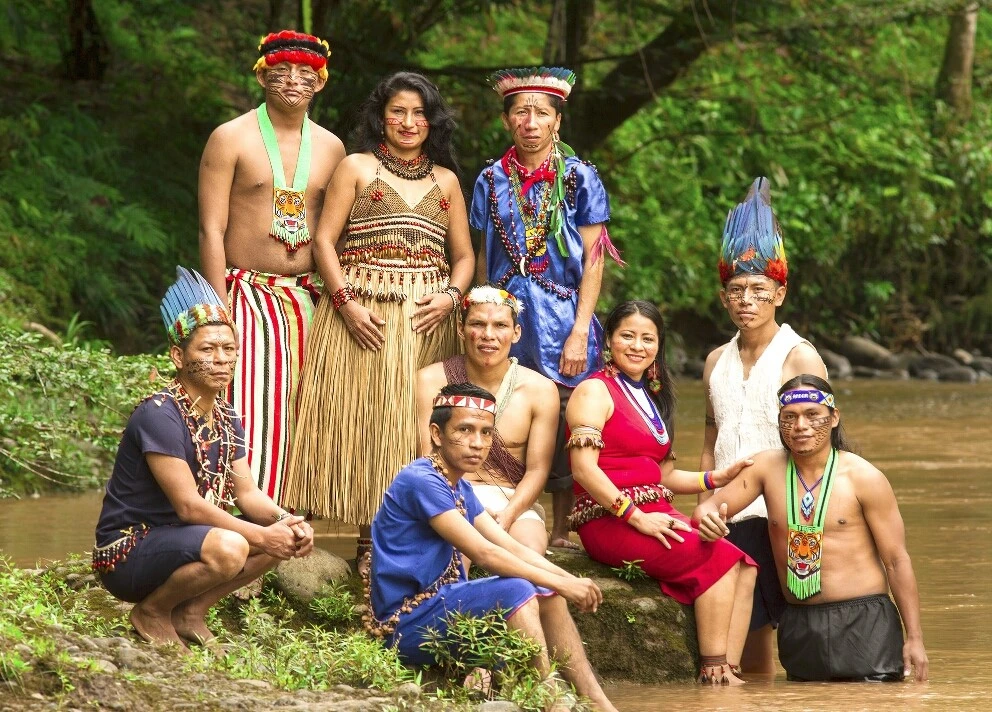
<point>342,297</point>
<point>282,515</point>
<point>630,512</point>
<point>708,480</point>
<point>620,505</point>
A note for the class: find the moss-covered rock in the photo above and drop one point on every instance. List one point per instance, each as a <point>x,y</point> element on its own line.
<point>638,634</point>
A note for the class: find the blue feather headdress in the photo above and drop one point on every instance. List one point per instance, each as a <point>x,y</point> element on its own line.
<point>189,303</point>
<point>752,239</point>
<point>557,81</point>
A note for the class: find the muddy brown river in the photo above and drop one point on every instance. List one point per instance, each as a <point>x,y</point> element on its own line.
<point>933,441</point>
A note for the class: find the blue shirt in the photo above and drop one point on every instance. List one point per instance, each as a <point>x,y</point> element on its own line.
<point>133,495</point>
<point>408,555</point>
<point>550,298</point>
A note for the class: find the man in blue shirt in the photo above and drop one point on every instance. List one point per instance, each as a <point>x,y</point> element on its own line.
<point>430,516</point>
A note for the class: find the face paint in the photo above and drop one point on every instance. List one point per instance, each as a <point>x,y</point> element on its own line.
<point>291,84</point>
<point>805,431</point>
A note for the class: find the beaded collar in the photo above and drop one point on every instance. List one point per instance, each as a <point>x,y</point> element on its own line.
<point>650,416</point>
<point>413,169</point>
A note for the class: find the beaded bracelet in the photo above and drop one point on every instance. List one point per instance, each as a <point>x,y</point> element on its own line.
<point>620,505</point>
<point>455,295</point>
<point>342,297</point>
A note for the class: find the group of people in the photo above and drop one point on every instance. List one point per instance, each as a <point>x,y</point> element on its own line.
<point>368,382</point>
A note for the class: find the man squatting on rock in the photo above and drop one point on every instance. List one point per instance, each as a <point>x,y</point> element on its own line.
<point>165,540</point>
<point>430,517</point>
<point>839,547</point>
<point>516,470</point>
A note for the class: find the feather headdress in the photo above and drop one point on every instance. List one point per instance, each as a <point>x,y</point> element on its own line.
<point>295,48</point>
<point>189,303</point>
<point>557,81</point>
<point>752,239</point>
<point>487,294</point>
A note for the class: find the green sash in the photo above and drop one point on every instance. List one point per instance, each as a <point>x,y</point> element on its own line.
<point>289,207</point>
<point>805,544</point>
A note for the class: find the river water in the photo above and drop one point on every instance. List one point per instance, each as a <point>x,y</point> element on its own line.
<point>932,440</point>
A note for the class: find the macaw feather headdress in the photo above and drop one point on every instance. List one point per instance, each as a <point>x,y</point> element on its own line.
<point>752,239</point>
<point>557,81</point>
<point>487,294</point>
<point>189,303</point>
<point>295,48</point>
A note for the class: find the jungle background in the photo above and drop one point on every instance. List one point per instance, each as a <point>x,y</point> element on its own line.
<point>872,119</point>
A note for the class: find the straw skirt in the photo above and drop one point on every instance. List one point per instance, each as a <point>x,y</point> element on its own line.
<point>357,424</point>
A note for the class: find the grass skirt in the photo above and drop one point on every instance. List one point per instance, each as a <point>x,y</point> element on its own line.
<point>357,424</point>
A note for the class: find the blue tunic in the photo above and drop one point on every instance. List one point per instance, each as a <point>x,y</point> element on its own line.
<point>408,556</point>
<point>550,297</point>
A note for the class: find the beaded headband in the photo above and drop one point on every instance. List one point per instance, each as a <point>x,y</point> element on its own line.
<point>485,404</point>
<point>752,239</point>
<point>492,295</point>
<point>295,48</point>
<point>557,81</point>
<point>806,395</point>
<point>189,303</point>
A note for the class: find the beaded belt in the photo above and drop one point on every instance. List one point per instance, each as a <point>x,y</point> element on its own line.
<point>106,558</point>
<point>586,508</point>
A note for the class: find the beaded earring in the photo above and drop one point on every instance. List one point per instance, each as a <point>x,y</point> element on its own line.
<point>609,367</point>
<point>654,385</point>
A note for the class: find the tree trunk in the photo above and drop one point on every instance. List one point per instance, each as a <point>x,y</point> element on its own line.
<point>568,33</point>
<point>954,80</point>
<point>88,54</point>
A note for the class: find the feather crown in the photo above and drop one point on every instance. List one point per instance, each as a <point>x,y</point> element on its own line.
<point>557,81</point>
<point>189,303</point>
<point>752,238</point>
<point>295,48</point>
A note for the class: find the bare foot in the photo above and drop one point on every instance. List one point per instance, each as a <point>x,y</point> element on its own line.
<point>563,542</point>
<point>157,630</point>
<point>719,675</point>
<point>190,626</point>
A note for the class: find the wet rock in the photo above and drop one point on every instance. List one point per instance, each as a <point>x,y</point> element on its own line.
<point>302,579</point>
<point>647,605</point>
<point>259,684</point>
<point>983,376</point>
<point>408,691</point>
<point>865,372</point>
<point>498,706</point>
<point>958,374</point>
<point>865,352</point>
<point>982,363</point>
<point>694,368</point>
<point>935,362</point>
<point>838,366</point>
<point>928,374</point>
<point>895,374</point>
<point>965,358</point>
<point>134,659</point>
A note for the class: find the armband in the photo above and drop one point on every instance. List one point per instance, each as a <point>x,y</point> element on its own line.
<point>585,436</point>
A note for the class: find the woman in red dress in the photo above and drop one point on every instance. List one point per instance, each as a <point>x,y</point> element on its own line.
<point>620,444</point>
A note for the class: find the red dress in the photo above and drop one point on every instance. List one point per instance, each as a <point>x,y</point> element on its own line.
<point>632,456</point>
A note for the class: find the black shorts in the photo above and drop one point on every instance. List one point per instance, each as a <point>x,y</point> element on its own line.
<point>154,559</point>
<point>860,639</point>
<point>560,477</point>
<point>751,537</point>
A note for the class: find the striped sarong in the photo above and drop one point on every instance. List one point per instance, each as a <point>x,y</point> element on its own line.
<point>273,314</point>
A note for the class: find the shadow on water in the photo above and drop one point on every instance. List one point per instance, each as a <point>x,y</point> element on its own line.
<point>932,441</point>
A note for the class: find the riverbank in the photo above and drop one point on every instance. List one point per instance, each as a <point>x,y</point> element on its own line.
<point>65,643</point>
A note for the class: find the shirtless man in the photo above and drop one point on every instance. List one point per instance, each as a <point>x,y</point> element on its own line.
<point>516,470</point>
<point>263,177</point>
<point>839,546</point>
<point>740,380</point>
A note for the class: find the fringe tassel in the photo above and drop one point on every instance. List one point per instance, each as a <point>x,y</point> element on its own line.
<point>605,244</point>
<point>803,588</point>
<point>357,424</point>
<point>292,240</point>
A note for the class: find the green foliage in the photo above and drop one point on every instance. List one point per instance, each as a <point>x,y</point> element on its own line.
<point>62,409</point>
<point>334,606</point>
<point>268,647</point>
<point>630,570</point>
<point>471,643</point>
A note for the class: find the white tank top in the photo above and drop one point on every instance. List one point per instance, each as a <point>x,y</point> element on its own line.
<point>746,409</point>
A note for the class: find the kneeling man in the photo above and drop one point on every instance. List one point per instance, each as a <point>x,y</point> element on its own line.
<point>430,516</point>
<point>165,540</point>
<point>839,546</point>
<point>516,470</point>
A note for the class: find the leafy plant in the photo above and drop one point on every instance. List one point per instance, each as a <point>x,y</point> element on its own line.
<point>630,570</point>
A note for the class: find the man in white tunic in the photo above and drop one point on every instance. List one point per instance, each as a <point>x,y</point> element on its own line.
<point>741,379</point>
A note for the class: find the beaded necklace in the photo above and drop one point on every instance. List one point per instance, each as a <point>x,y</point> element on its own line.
<point>535,215</point>
<point>651,418</point>
<point>215,487</point>
<point>452,573</point>
<point>412,169</point>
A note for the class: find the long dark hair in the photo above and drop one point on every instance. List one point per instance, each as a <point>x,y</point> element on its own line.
<point>370,129</point>
<point>666,397</point>
<point>838,438</point>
